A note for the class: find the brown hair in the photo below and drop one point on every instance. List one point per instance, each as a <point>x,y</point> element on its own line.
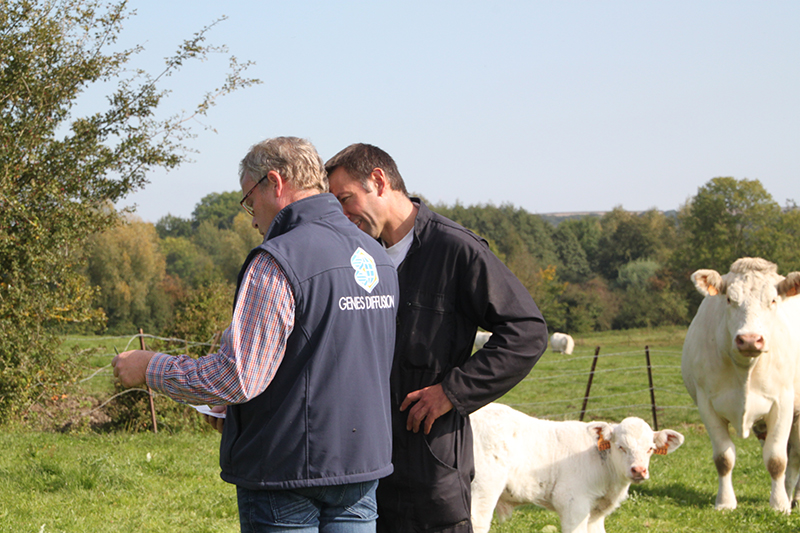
<point>359,160</point>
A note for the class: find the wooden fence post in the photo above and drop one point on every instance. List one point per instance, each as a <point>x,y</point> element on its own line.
<point>149,391</point>
<point>589,384</point>
<point>652,391</point>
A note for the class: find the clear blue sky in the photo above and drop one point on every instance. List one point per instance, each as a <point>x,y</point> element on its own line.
<point>549,106</point>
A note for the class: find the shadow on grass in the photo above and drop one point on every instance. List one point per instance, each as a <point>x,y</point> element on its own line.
<point>685,496</point>
<point>680,494</point>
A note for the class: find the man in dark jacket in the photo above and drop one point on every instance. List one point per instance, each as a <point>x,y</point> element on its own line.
<point>450,284</point>
<point>304,366</point>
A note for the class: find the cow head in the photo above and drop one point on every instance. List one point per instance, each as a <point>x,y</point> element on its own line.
<point>631,443</point>
<point>752,292</point>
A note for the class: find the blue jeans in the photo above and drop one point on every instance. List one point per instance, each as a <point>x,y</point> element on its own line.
<point>348,508</point>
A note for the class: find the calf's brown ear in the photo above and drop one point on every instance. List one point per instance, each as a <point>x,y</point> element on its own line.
<point>602,431</point>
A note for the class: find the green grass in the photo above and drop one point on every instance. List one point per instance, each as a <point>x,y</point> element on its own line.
<point>85,481</point>
<point>105,483</point>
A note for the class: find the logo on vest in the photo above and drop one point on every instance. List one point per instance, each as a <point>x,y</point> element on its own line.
<point>366,272</point>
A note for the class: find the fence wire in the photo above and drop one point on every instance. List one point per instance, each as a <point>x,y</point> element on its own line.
<point>549,370</point>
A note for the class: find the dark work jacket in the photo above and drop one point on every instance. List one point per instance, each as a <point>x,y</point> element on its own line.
<point>324,418</point>
<point>451,284</point>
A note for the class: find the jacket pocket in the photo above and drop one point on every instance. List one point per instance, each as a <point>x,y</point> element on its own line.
<point>427,327</point>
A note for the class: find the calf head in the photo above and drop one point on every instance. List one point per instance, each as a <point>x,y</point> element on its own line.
<point>753,291</point>
<point>631,443</point>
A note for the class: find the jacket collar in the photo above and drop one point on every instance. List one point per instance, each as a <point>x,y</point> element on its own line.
<point>303,211</point>
<point>424,215</point>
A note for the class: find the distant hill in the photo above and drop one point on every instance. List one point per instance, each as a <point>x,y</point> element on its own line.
<point>556,218</point>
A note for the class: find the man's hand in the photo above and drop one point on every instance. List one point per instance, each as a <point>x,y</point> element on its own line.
<point>131,367</point>
<point>215,422</point>
<point>431,403</point>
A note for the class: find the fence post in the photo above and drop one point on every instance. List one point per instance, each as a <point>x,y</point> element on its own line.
<point>149,392</point>
<point>652,391</point>
<point>214,340</point>
<point>589,384</point>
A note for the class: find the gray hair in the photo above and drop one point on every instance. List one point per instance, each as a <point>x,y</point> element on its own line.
<point>295,159</point>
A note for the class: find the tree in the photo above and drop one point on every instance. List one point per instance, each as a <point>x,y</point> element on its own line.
<point>187,262</point>
<point>172,226</point>
<point>218,208</point>
<point>590,306</point>
<point>125,263</point>
<point>59,173</point>
<point>728,219</point>
<point>629,236</point>
<point>788,254</point>
<point>588,232</point>
<point>575,266</point>
<point>225,247</point>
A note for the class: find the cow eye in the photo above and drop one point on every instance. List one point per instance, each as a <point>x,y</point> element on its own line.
<point>622,448</point>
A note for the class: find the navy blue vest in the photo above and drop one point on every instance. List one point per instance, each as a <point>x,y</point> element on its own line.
<point>324,419</point>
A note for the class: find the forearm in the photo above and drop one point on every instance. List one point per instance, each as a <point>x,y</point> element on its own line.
<point>206,380</point>
<point>498,367</point>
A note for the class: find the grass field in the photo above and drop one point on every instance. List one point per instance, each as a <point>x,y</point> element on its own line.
<point>85,481</point>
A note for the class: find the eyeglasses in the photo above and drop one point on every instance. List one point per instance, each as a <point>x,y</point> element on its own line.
<point>249,208</point>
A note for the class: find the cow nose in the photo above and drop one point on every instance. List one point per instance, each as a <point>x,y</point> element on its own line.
<point>749,342</point>
<point>639,472</point>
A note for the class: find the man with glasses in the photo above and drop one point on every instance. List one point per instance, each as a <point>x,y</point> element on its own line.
<point>304,366</point>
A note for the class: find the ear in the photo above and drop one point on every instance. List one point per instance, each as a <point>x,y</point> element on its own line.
<point>790,286</point>
<point>278,181</point>
<point>602,431</point>
<point>708,282</point>
<point>667,441</point>
<point>378,177</point>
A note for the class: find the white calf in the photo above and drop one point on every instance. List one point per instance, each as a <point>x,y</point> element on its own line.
<point>580,470</point>
<point>562,343</point>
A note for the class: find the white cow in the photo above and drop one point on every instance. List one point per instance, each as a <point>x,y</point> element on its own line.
<point>562,343</point>
<point>580,470</point>
<point>740,365</point>
<point>480,339</point>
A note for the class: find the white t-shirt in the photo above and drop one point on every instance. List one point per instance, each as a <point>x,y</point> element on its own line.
<point>398,252</point>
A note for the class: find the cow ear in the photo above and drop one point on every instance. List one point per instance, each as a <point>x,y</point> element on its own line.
<point>790,286</point>
<point>602,431</point>
<point>708,282</point>
<point>667,441</point>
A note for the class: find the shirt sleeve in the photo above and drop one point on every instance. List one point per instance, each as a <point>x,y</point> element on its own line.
<point>251,348</point>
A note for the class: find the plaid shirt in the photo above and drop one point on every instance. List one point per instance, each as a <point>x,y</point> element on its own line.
<point>251,349</point>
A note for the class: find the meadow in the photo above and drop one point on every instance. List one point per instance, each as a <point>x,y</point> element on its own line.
<point>108,482</point>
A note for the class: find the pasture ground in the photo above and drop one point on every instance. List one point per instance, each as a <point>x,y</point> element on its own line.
<point>103,482</point>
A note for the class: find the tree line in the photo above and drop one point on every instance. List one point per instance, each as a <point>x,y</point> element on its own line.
<point>628,270</point>
<point>616,271</point>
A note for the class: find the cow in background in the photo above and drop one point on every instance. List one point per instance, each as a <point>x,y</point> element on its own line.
<point>581,470</point>
<point>741,366</point>
<point>562,343</point>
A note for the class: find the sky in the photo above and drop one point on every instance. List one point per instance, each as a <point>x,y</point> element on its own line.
<point>550,106</point>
